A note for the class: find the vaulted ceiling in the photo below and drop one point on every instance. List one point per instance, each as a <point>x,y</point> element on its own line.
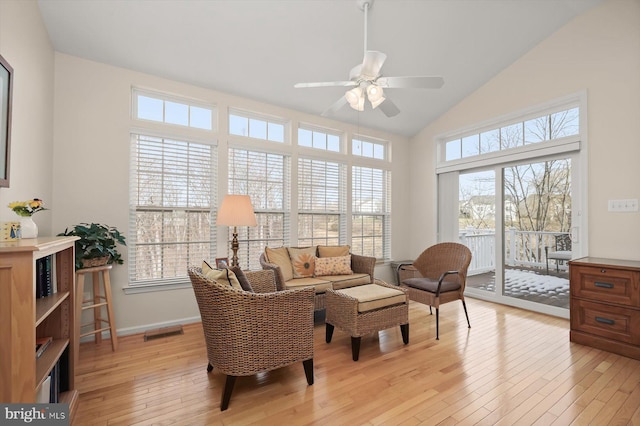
<point>260,48</point>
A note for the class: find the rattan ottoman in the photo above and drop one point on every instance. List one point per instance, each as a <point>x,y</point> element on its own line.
<point>365,309</point>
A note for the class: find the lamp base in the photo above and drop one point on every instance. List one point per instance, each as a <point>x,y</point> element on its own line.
<point>234,248</point>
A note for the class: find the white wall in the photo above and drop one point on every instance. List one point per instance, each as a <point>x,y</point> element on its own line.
<point>91,168</point>
<point>599,52</point>
<point>24,43</point>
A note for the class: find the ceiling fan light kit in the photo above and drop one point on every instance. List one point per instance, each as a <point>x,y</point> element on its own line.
<point>367,77</point>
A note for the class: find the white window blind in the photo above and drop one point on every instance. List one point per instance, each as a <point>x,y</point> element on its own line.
<point>171,207</point>
<point>265,178</point>
<point>371,212</point>
<point>321,202</point>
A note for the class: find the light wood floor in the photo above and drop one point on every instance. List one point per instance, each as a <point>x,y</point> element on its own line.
<point>513,367</point>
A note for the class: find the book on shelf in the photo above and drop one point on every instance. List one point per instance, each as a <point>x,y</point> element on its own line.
<point>41,345</point>
<point>55,383</point>
<point>44,276</point>
<point>43,393</point>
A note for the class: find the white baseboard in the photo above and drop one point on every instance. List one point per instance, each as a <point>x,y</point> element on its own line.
<point>143,328</point>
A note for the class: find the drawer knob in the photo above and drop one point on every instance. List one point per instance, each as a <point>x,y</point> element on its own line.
<point>605,321</point>
<point>603,271</point>
<point>603,285</point>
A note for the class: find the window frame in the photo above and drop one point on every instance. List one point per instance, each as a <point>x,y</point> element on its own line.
<point>179,281</point>
<point>266,118</point>
<point>136,92</point>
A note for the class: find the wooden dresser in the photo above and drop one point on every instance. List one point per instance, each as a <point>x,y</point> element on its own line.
<point>605,304</point>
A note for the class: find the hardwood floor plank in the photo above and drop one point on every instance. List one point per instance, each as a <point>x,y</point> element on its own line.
<point>513,367</point>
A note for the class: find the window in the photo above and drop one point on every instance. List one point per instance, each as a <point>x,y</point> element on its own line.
<point>265,178</point>
<point>257,127</point>
<point>371,212</point>
<point>369,149</point>
<point>160,108</point>
<point>319,139</point>
<point>321,202</point>
<point>170,208</point>
<point>541,128</point>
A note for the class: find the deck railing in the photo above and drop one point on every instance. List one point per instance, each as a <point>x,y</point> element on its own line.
<point>523,248</point>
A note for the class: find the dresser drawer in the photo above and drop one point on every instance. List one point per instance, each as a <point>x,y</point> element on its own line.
<point>604,284</point>
<point>613,322</point>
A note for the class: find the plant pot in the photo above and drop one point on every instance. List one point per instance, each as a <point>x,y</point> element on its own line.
<point>95,261</point>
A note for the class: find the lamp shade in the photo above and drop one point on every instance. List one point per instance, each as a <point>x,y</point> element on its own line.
<point>236,210</point>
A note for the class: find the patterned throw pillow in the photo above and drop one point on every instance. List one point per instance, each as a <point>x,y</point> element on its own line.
<point>221,276</point>
<point>303,261</point>
<point>340,265</point>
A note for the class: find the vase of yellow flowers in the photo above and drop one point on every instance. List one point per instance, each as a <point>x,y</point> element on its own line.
<point>26,209</point>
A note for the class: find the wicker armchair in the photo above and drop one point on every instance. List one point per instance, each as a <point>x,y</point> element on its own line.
<point>443,269</point>
<point>247,333</point>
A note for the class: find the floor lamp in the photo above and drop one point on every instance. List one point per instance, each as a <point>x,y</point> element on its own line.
<point>236,210</point>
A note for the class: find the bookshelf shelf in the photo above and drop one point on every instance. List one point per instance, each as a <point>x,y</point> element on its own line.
<point>48,359</point>
<point>46,305</point>
<point>24,318</point>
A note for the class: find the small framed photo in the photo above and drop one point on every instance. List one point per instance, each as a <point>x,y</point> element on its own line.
<point>222,262</point>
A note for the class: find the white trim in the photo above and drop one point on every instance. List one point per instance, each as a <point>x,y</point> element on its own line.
<point>526,152</point>
<point>577,99</point>
<point>515,302</point>
<point>141,329</point>
<point>167,134</point>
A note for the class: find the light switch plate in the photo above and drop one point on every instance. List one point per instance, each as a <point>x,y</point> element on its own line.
<point>630,205</point>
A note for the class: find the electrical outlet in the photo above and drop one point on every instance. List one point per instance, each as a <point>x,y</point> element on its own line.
<point>630,205</point>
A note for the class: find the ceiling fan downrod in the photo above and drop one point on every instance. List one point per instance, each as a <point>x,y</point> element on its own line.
<point>365,5</point>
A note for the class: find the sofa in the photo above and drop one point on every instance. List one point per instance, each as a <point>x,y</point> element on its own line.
<point>319,267</point>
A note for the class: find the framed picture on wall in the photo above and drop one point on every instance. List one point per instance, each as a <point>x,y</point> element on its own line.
<point>6,90</point>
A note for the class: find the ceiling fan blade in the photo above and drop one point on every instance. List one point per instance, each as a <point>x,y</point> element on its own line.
<point>372,63</point>
<point>389,108</point>
<point>418,82</point>
<point>326,84</point>
<point>335,107</point>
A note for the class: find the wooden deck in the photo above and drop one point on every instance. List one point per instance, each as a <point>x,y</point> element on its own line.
<point>529,284</point>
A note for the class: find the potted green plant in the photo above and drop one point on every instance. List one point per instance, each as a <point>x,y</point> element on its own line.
<point>97,244</point>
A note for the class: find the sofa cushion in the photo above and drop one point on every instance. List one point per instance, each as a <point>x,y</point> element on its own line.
<point>373,296</point>
<point>318,284</point>
<point>333,266</point>
<point>342,281</point>
<point>431,285</point>
<point>225,277</point>
<point>303,261</point>
<point>333,251</point>
<point>280,256</point>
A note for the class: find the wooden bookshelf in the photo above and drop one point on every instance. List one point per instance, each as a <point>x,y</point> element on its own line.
<point>23,318</point>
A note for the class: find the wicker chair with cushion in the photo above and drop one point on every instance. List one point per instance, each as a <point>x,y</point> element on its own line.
<point>251,332</point>
<point>443,269</point>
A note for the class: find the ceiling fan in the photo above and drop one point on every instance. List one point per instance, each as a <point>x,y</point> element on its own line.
<point>366,78</point>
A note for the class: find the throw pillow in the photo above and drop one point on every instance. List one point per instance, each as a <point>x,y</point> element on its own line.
<point>242,278</point>
<point>340,265</point>
<point>221,276</point>
<point>280,257</point>
<point>303,261</point>
<point>333,251</point>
